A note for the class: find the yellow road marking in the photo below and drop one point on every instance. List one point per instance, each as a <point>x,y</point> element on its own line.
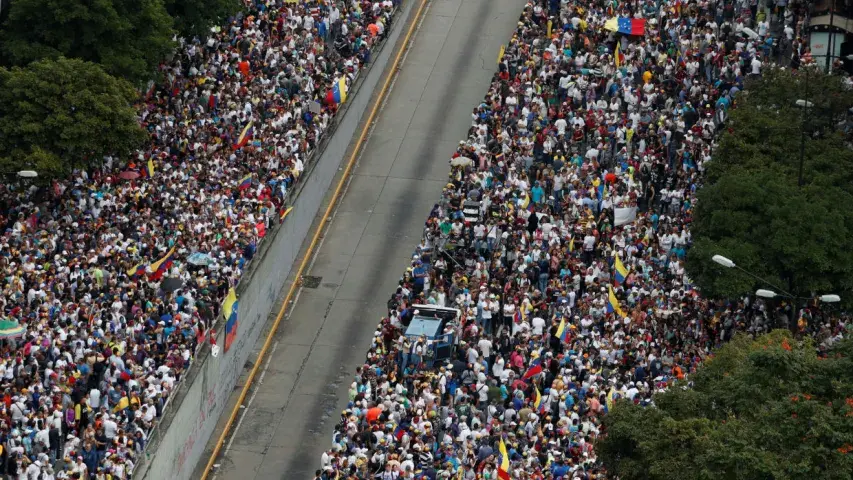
<point>350,163</point>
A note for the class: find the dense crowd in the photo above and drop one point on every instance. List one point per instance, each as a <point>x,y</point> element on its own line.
<point>115,280</point>
<point>581,165</point>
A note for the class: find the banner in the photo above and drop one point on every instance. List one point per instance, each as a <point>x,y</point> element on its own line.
<point>501,54</point>
<point>623,216</point>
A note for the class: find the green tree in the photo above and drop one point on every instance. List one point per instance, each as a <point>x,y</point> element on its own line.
<point>193,18</point>
<point>56,115</point>
<point>752,209</point>
<point>759,409</point>
<point>129,38</point>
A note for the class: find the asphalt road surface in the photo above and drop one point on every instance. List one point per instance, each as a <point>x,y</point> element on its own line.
<point>292,411</point>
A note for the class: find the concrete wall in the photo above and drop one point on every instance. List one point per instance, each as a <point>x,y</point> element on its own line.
<point>177,444</point>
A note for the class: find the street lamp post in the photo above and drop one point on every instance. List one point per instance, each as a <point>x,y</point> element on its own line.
<point>830,35</point>
<point>765,293</point>
<point>728,263</point>
<point>805,105</point>
<point>829,298</point>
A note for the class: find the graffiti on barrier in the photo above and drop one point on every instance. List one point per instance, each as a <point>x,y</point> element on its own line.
<point>207,407</point>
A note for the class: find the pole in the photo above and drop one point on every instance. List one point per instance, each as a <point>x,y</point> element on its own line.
<point>829,42</point>
<point>803,137</point>
<point>802,145</point>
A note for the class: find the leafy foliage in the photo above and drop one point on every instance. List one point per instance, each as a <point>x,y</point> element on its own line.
<point>127,37</point>
<point>760,409</point>
<point>752,209</point>
<point>193,18</point>
<point>56,115</point>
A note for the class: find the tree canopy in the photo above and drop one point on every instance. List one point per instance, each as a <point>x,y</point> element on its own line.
<point>128,38</point>
<point>751,208</point>
<point>193,18</point>
<point>769,408</point>
<point>56,115</point>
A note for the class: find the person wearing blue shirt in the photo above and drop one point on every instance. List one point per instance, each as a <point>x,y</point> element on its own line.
<point>554,6</point>
<point>419,273</point>
<point>734,91</point>
<point>559,469</point>
<point>614,89</point>
<point>537,193</point>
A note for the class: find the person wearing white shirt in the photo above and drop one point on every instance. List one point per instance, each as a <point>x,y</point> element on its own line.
<point>763,27</point>
<point>485,346</point>
<point>561,124</point>
<point>33,471</point>
<point>95,399</point>
<point>756,66</point>
<point>42,438</point>
<point>110,427</point>
<point>538,324</point>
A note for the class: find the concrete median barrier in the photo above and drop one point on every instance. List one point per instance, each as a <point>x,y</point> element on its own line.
<point>190,417</point>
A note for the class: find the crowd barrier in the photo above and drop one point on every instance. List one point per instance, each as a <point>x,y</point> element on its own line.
<point>178,442</point>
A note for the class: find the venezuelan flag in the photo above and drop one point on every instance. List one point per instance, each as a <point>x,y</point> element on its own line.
<point>136,271</point>
<point>339,90</point>
<point>503,468</point>
<point>613,302</point>
<point>618,57</point>
<point>245,182</point>
<point>535,369</point>
<point>159,268</point>
<point>229,311</point>
<point>399,431</point>
<point>247,133</point>
<point>537,399</point>
<point>122,404</point>
<point>563,330</point>
<point>627,26</point>
<point>149,168</point>
<point>621,271</point>
<point>284,213</point>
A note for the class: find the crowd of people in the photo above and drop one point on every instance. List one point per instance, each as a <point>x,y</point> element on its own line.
<point>581,168</point>
<point>113,277</point>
